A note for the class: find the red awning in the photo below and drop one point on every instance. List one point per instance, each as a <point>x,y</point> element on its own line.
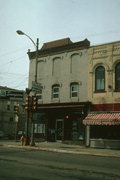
<point>102,119</point>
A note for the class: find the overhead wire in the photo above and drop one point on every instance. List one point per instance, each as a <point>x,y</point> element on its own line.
<point>30,75</point>
<point>14,51</point>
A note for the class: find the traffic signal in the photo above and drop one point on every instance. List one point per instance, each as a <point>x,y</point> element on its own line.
<point>27,104</point>
<point>34,103</point>
<point>16,109</point>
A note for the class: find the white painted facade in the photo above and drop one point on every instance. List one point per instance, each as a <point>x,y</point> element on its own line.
<point>61,69</point>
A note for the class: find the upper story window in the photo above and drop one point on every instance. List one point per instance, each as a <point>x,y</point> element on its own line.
<point>117,76</point>
<point>100,78</point>
<point>56,67</point>
<point>55,91</point>
<point>75,63</point>
<point>41,69</point>
<point>74,90</point>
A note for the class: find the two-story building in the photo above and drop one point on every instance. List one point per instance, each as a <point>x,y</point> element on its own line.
<point>103,121</point>
<point>62,72</point>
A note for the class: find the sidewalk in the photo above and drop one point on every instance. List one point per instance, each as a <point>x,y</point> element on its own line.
<point>63,148</point>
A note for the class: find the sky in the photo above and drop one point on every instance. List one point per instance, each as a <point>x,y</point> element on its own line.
<point>49,20</point>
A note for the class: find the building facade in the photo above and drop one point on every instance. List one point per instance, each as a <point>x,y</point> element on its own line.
<point>103,121</point>
<point>12,113</point>
<point>62,99</point>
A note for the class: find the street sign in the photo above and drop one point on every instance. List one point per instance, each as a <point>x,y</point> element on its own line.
<point>36,86</point>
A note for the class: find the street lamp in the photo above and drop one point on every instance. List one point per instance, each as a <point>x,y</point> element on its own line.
<point>36,58</point>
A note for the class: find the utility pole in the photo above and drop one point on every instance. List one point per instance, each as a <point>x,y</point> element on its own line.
<point>33,125</point>
<point>36,62</point>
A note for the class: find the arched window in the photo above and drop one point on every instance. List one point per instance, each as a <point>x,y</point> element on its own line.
<point>55,91</point>
<point>117,76</point>
<point>41,69</point>
<point>56,67</point>
<point>75,58</point>
<point>100,78</point>
<point>74,90</point>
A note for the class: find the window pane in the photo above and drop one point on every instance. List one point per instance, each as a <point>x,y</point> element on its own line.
<point>74,90</point>
<point>100,78</point>
<point>75,87</point>
<point>55,95</point>
<point>117,76</point>
<point>55,89</point>
<point>55,92</point>
<point>74,94</point>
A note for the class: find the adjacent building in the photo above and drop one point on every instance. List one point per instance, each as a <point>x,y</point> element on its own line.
<point>12,113</point>
<point>103,121</point>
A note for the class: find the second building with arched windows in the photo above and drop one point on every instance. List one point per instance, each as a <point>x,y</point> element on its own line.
<point>103,120</point>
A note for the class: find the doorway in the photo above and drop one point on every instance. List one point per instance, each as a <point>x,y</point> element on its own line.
<point>59,129</point>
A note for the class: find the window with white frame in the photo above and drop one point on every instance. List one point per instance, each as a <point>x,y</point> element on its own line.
<point>74,90</point>
<point>55,91</point>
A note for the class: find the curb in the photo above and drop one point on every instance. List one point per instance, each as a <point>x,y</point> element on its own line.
<point>63,151</point>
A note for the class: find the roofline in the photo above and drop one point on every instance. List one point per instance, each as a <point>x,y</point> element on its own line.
<point>59,49</point>
<point>10,89</point>
<point>105,43</point>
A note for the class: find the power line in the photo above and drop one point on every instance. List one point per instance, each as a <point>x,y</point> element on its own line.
<point>14,51</point>
<point>14,74</point>
<point>11,61</point>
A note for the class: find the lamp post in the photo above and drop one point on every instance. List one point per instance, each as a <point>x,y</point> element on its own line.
<point>36,58</point>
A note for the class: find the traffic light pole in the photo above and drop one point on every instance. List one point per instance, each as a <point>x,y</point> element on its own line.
<point>33,125</point>
<point>27,140</point>
<point>36,58</point>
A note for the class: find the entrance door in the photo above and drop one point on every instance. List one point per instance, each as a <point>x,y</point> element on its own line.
<point>59,129</point>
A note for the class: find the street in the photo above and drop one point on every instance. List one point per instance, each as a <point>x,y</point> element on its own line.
<point>28,164</point>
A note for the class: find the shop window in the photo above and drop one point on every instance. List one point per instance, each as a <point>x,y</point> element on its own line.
<point>100,79</point>
<point>74,90</point>
<point>40,128</point>
<point>55,91</point>
<point>117,77</point>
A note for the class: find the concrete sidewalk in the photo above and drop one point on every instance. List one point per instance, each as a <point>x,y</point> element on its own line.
<point>63,148</point>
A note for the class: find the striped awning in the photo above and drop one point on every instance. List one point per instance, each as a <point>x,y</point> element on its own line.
<point>110,118</point>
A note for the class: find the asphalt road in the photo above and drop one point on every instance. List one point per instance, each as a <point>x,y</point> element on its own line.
<point>21,164</point>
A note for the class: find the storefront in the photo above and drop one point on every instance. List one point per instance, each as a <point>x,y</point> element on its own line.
<point>62,122</point>
<point>103,129</point>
